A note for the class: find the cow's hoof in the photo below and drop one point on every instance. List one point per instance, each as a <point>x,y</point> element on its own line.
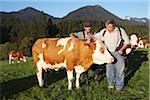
<point>45,86</point>
<point>70,89</point>
<point>41,85</point>
<point>78,88</point>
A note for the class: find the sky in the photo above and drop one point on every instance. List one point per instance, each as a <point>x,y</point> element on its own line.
<point>60,8</point>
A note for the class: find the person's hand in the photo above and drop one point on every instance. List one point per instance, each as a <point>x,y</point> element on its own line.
<point>87,41</point>
<point>71,34</point>
<point>120,52</point>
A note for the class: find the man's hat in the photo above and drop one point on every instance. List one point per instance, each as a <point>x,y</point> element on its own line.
<point>86,24</point>
<point>110,21</point>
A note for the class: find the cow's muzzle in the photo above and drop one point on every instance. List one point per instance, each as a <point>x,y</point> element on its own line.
<point>111,60</point>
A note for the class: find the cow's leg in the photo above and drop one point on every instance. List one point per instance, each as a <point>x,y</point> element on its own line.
<point>70,78</point>
<point>79,70</point>
<point>39,75</point>
<point>24,58</point>
<point>77,80</point>
<point>13,60</point>
<point>10,57</point>
<point>18,61</point>
<point>85,74</point>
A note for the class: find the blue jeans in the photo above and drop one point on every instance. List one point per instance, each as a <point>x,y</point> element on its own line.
<point>115,71</point>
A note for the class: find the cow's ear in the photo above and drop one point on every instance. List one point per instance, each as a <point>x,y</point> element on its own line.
<point>90,44</point>
<point>75,40</point>
<point>73,36</point>
<point>87,42</point>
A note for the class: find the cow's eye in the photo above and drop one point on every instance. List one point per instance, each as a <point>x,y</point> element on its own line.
<point>102,50</point>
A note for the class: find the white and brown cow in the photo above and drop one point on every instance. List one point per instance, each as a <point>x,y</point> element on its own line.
<point>138,42</point>
<point>70,53</point>
<point>133,40</point>
<point>133,44</point>
<point>16,55</point>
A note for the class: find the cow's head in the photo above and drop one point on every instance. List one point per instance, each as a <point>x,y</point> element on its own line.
<point>134,40</point>
<point>100,53</point>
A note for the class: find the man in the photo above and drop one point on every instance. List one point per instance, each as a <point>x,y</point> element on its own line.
<point>88,35</point>
<point>112,35</point>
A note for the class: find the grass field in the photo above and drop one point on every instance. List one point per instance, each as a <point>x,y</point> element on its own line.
<point>18,81</point>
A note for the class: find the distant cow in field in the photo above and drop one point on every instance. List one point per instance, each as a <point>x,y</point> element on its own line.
<point>70,53</point>
<point>16,55</point>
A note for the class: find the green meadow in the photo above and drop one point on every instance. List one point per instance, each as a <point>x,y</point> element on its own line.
<point>18,81</point>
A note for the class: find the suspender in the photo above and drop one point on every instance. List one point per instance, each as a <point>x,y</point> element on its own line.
<point>119,32</point>
<point>104,32</point>
<point>121,42</point>
<point>83,34</point>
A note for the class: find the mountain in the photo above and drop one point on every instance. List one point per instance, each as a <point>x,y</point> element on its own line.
<point>27,14</point>
<point>91,12</point>
<point>30,22</point>
<point>96,12</point>
<point>141,20</point>
<point>144,20</point>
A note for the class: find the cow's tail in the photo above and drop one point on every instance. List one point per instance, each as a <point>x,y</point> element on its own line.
<point>35,55</point>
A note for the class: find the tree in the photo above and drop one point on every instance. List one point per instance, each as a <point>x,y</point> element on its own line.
<point>51,29</point>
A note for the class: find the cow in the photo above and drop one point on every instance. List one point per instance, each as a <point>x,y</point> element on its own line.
<point>133,44</point>
<point>138,42</point>
<point>133,40</point>
<point>71,53</point>
<point>16,55</point>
